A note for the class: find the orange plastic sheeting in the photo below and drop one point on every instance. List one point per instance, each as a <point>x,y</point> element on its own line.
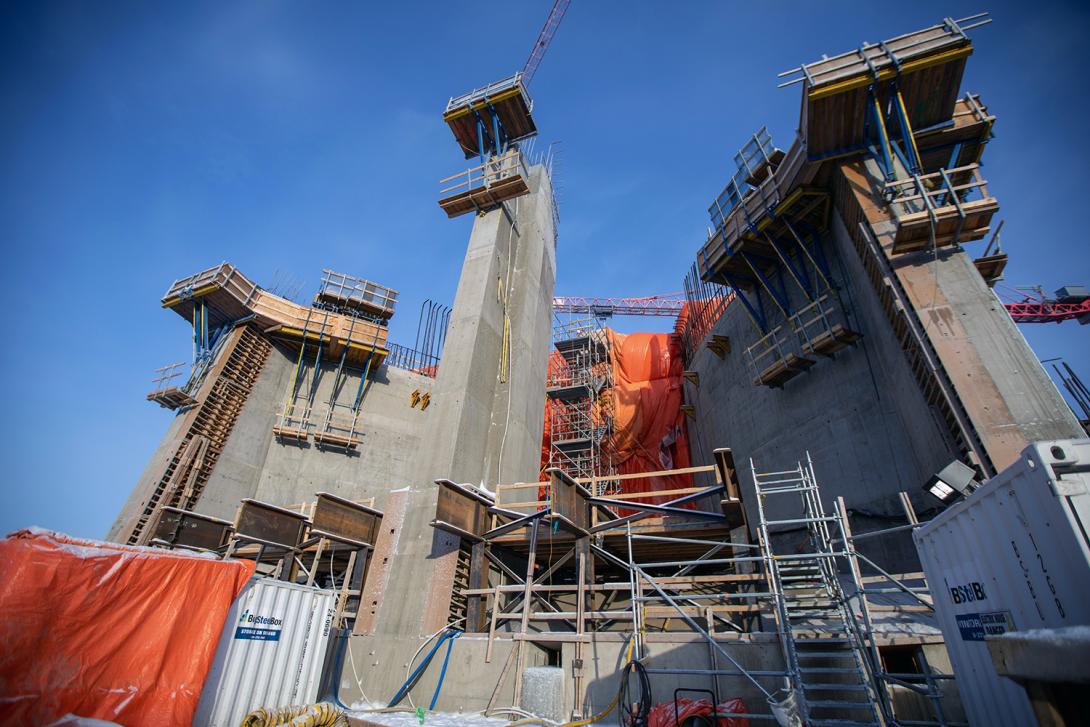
<point>649,426</point>
<point>663,714</point>
<point>557,369</point>
<point>114,632</point>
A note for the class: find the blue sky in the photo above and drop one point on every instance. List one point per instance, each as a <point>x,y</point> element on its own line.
<point>142,141</point>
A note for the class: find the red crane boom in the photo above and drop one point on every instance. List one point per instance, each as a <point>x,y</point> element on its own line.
<point>1030,310</point>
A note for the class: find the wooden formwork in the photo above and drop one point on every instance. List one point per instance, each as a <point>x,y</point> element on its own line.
<point>232,296</point>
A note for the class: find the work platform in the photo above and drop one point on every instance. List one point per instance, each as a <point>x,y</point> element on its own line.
<point>171,398</point>
<point>500,111</point>
<point>743,244</point>
<point>840,92</point>
<point>564,509</point>
<point>486,186</point>
<point>936,210</point>
<point>222,295</point>
<point>356,294</point>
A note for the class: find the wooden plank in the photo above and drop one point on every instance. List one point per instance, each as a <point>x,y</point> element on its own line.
<point>478,577</point>
<point>698,611</point>
<point>595,480</point>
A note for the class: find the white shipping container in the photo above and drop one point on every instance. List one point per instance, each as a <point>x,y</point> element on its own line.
<point>1013,556</point>
<point>270,652</point>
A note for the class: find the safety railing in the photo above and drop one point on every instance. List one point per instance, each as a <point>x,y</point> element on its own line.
<point>409,359</point>
<point>774,346</point>
<point>355,292</point>
<point>816,324</point>
<point>495,170</point>
<point>531,496</point>
<point>489,90</point>
<point>946,188</point>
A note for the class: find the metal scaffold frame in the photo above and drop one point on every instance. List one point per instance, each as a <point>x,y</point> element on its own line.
<point>580,395</point>
<point>550,563</point>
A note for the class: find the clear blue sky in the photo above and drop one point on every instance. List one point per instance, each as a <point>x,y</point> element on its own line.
<point>140,142</point>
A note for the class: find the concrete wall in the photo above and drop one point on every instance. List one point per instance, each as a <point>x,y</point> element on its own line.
<point>1005,391</point>
<point>479,419</point>
<point>860,415</point>
<point>470,680</point>
<point>255,464</point>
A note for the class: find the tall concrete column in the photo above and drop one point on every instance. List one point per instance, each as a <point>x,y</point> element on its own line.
<point>489,401</point>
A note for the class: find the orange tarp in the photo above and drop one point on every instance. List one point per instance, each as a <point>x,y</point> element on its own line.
<point>114,632</point>
<point>649,426</point>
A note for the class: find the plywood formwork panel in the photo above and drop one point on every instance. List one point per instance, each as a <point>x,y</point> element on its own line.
<point>231,296</point>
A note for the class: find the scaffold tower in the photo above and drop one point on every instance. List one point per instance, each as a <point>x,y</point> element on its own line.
<point>580,391</point>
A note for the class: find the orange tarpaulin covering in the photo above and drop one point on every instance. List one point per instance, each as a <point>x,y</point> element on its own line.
<point>649,431</point>
<point>649,426</point>
<point>119,633</point>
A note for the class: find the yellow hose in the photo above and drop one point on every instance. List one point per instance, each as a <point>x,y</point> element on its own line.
<point>601,715</point>
<point>322,714</point>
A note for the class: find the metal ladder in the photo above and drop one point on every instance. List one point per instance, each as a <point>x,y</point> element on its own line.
<point>822,643</point>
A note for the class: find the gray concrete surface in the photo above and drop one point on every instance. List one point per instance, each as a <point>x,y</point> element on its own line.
<point>484,429</point>
<point>860,415</point>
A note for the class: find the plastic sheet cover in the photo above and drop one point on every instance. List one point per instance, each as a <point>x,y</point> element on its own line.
<point>649,430</point>
<point>649,427</point>
<point>114,632</point>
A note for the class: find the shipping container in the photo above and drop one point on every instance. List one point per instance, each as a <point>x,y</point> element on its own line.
<point>270,651</point>
<point>1012,556</point>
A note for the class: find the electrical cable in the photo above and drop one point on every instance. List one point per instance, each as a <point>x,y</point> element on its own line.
<point>401,693</point>
<point>422,647</point>
<point>355,674</point>
<point>634,713</point>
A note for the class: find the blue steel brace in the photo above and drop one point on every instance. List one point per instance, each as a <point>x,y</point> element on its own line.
<point>782,301</point>
<point>800,275</point>
<point>757,315</point>
<point>498,132</point>
<point>204,329</point>
<point>814,250</point>
<point>906,129</point>
<point>363,381</point>
<point>883,138</point>
<point>482,135</point>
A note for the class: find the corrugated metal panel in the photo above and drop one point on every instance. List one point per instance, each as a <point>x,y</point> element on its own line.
<point>1013,556</point>
<point>270,652</point>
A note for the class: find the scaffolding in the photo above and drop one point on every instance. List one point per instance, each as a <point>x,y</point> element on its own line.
<point>824,644</point>
<point>551,563</point>
<point>580,407</point>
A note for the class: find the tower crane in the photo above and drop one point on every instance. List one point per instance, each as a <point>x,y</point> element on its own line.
<point>1071,302</point>
<point>544,38</point>
<point>667,305</point>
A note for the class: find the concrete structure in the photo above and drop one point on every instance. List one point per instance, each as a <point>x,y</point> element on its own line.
<point>862,414</point>
<point>254,464</point>
<point>914,364</point>
<point>487,428</point>
<point>483,424</point>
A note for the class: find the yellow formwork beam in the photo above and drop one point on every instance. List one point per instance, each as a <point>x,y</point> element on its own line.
<point>866,78</point>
